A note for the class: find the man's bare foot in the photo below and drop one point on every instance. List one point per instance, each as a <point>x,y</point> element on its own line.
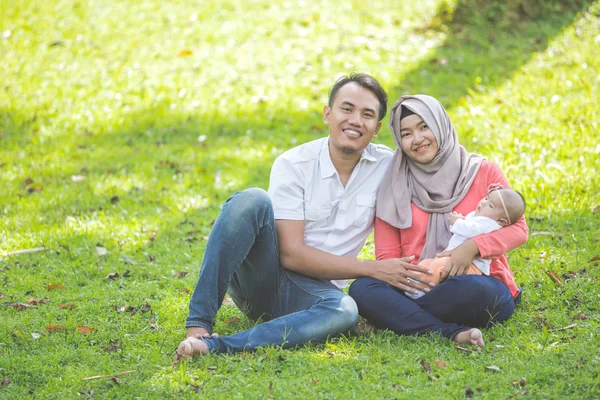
<point>197,332</point>
<point>473,336</point>
<point>191,347</point>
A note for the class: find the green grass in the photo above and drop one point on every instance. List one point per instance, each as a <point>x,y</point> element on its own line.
<point>166,108</point>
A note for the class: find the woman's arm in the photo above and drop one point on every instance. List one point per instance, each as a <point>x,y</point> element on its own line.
<point>387,240</point>
<point>493,245</point>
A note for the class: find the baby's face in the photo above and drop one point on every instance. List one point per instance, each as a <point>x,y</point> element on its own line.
<point>491,207</point>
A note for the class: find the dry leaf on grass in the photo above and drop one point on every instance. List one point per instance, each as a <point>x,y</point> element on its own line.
<point>35,301</point>
<point>112,275</point>
<point>84,330</point>
<point>554,277</point>
<point>180,274</point>
<point>66,306</point>
<point>5,381</point>
<point>52,327</point>
<point>17,306</point>
<point>493,368</point>
<point>55,286</point>
<point>441,363</point>
<point>232,320</point>
<point>426,366</point>
<point>580,316</point>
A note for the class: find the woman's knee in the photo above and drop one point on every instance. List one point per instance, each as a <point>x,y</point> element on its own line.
<point>360,288</point>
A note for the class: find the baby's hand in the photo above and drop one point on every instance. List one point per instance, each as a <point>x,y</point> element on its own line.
<point>454,216</point>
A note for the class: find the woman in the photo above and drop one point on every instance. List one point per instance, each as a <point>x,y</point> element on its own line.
<point>430,177</point>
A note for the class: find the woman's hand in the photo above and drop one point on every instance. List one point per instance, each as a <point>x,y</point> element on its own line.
<point>460,259</point>
<point>400,273</point>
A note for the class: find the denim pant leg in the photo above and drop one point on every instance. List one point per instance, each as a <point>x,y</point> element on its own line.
<point>308,310</point>
<point>453,306</point>
<point>472,300</point>
<point>242,247</point>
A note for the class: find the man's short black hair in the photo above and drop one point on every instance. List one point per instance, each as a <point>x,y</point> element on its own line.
<point>364,81</point>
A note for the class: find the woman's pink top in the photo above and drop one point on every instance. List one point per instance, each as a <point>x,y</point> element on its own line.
<point>391,242</point>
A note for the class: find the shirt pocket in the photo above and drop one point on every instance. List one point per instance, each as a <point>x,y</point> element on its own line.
<point>365,210</point>
<point>316,217</point>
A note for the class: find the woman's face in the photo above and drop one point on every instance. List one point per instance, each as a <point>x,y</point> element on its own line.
<point>417,140</point>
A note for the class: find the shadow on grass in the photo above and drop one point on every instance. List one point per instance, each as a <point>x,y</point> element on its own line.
<point>486,43</point>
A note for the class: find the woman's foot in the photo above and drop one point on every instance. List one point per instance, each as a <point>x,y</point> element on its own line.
<point>473,336</point>
<point>191,347</point>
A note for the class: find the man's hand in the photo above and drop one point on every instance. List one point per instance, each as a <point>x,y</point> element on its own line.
<point>400,273</point>
<point>460,259</point>
<point>454,216</point>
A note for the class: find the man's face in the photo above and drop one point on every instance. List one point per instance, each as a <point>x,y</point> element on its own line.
<point>352,119</point>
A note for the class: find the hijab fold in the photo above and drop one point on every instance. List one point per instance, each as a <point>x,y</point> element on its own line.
<point>435,187</point>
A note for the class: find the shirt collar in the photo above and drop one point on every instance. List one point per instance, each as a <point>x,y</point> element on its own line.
<point>327,167</point>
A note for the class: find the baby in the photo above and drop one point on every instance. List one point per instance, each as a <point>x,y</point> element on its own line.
<point>501,207</point>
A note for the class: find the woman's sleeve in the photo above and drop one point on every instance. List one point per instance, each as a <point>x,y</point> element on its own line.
<point>387,240</point>
<point>493,245</point>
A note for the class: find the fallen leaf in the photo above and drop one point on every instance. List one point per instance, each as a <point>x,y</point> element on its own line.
<point>521,382</point>
<point>114,199</point>
<point>101,251</point>
<point>184,53</point>
<point>146,307</point>
<point>126,308</point>
<point>569,275</point>
<point>84,330</point>
<point>563,328</point>
<point>195,388</point>
<point>554,277</point>
<point>153,325</point>
<point>55,286</point>
<point>116,380</point>
<point>52,327</point>
<point>212,368</point>
<point>66,306</point>
<point>114,346</point>
<point>580,316</point>
<point>426,366</point>
<point>180,274</point>
<point>126,274</point>
<point>493,368</point>
<point>315,381</point>
<point>1,296</point>
<point>441,364</point>
<point>595,208</point>
<point>185,290</point>
<point>77,178</point>
<point>35,301</point>
<point>112,275</point>
<point>540,321</point>
<point>17,306</point>
<point>469,392</point>
<point>5,381</point>
<point>232,320</point>
<point>594,259</point>
<point>35,335</point>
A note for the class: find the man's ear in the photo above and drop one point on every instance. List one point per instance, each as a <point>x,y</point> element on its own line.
<point>377,129</point>
<point>503,222</point>
<point>326,111</point>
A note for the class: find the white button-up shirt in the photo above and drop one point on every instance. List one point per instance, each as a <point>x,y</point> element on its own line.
<point>305,186</point>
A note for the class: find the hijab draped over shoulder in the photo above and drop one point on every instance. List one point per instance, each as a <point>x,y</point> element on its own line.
<point>435,187</point>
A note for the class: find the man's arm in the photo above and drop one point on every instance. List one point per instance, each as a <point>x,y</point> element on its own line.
<point>298,257</point>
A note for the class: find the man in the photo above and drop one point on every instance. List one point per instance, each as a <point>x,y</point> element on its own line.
<point>277,253</point>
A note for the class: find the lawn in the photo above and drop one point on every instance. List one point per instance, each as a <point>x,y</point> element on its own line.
<point>124,125</point>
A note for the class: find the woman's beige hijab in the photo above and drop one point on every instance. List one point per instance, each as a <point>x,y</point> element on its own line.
<point>436,187</point>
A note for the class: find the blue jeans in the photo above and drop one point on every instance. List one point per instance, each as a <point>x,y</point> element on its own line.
<point>453,306</point>
<point>242,257</point>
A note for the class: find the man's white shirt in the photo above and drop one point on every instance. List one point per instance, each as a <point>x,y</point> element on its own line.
<point>305,186</point>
